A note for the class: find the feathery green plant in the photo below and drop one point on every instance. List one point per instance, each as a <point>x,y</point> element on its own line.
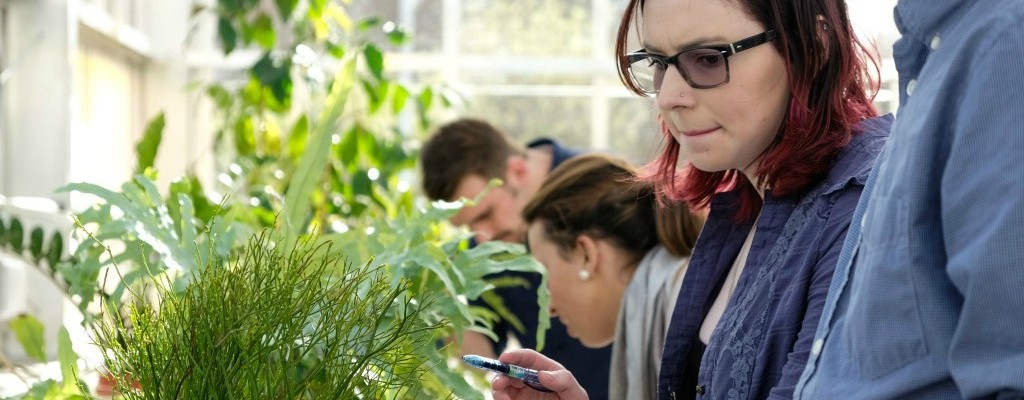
<point>272,324</point>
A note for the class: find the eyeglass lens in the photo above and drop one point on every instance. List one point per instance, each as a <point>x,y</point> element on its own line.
<point>701,68</point>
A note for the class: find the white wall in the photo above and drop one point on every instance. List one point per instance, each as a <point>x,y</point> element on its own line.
<point>37,98</point>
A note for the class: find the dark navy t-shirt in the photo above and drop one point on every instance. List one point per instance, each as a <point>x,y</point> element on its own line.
<point>589,366</point>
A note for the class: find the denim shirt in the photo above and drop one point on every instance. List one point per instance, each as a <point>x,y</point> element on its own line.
<point>928,296</point>
<point>758,349</point>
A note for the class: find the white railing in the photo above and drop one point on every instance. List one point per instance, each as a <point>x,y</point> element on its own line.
<point>24,287</point>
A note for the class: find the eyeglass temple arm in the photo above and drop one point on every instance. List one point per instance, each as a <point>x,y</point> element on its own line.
<point>751,41</point>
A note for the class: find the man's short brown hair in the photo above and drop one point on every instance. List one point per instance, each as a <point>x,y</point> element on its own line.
<point>463,148</point>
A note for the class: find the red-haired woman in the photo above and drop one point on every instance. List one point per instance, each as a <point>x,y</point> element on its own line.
<point>769,103</point>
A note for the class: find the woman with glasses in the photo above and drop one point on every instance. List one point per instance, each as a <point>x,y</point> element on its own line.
<point>769,104</point>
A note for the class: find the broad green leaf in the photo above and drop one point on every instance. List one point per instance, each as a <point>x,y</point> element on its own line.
<point>398,99</point>
<point>147,147</point>
<point>68,361</point>
<point>426,98</point>
<point>245,137</point>
<point>178,187</point>
<point>373,94</point>
<point>16,236</point>
<point>271,137</point>
<point>46,390</point>
<point>368,23</point>
<point>336,50</point>
<point>227,34</point>
<point>397,36</point>
<point>189,230</point>
<point>110,197</point>
<point>205,209</point>
<point>311,166</point>
<point>348,148</point>
<point>35,244</point>
<point>298,138</point>
<point>150,195</point>
<point>336,13</point>
<point>220,97</point>
<point>361,183</point>
<point>374,60</point>
<point>369,148</point>
<point>317,6</point>
<point>424,102</point>
<point>275,75</point>
<point>245,28</point>
<point>29,332</point>
<point>285,7</point>
<point>263,31</point>
<point>55,251</point>
<point>320,28</point>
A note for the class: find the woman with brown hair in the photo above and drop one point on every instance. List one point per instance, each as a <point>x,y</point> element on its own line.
<point>615,261</point>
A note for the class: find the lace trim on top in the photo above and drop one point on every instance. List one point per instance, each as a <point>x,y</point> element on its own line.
<point>742,342</point>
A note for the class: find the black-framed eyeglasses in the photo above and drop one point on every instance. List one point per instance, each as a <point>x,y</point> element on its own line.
<point>703,67</point>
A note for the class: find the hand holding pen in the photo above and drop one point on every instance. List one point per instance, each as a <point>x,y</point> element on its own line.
<point>552,375</point>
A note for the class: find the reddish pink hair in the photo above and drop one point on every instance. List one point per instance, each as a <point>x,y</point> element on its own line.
<point>831,90</point>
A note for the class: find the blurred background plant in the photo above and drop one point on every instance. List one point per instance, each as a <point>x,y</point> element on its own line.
<point>317,143</point>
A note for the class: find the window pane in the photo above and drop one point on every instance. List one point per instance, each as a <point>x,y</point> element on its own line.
<point>483,77</point>
<point>632,131</point>
<point>525,118</point>
<point>526,27</point>
<point>424,24</point>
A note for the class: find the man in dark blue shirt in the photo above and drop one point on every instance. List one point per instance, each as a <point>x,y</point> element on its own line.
<point>458,161</point>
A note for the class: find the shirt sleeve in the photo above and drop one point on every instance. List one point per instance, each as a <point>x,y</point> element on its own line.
<point>818,284</point>
<point>982,206</point>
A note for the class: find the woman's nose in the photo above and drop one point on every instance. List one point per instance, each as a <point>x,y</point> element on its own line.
<point>674,91</point>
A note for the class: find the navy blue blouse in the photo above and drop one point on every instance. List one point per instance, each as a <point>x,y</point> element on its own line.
<point>761,344</point>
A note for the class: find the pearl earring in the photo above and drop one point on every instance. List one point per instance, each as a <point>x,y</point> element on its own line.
<point>584,275</point>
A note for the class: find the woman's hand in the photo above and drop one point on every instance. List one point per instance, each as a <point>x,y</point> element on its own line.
<point>550,373</point>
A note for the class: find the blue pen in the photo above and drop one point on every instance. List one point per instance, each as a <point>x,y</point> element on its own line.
<point>528,376</point>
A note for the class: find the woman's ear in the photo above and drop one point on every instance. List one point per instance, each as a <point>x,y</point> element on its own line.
<point>587,246</point>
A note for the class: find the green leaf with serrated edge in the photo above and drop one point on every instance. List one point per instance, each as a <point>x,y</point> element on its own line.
<point>500,258</point>
<point>497,304</point>
<point>29,332</point>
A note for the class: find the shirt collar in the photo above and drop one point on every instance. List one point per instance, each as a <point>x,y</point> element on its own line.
<point>923,19</point>
<point>854,161</point>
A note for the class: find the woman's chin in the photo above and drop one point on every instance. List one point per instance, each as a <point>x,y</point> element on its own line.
<point>592,343</point>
